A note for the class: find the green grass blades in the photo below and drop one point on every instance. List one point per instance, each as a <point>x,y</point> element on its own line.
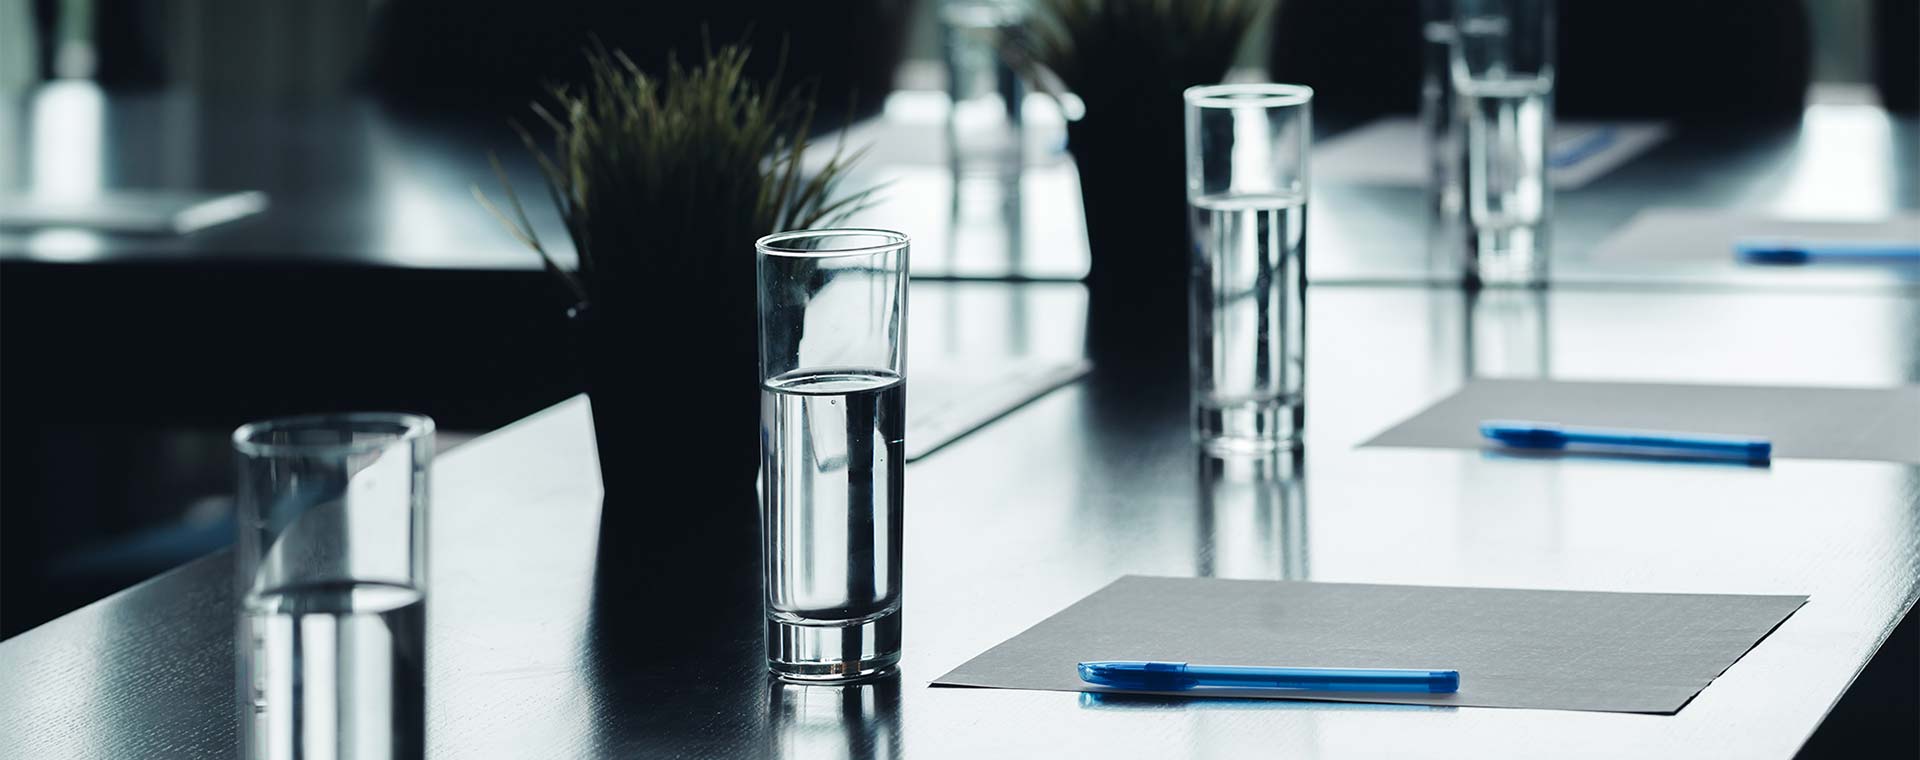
<point>658,175</point>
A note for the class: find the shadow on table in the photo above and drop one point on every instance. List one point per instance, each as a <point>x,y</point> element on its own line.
<point>674,626</point>
<point>1116,701</point>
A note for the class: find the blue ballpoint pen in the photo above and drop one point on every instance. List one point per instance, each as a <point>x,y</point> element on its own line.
<point>1580,148</point>
<point>1179,676</point>
<point>1838,251</point>
<point>1545,435</point>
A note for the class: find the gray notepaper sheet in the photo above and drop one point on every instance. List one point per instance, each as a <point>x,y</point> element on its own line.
<point>1880,424</point>
<point>1550,650</point>
<point>1691,235</point>
<point>948,399</point>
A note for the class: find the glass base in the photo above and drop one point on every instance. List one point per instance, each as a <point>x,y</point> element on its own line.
<point>831,652</point>
<point>1252,427</point>
<point>1507,257</point>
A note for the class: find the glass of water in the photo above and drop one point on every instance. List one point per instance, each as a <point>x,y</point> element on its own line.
<point>332,585</point>
<point>833,329</point>
<point>1502,67</point>
<point>1247,202</point>
<point>984,125</point>
<point>1439,121</point>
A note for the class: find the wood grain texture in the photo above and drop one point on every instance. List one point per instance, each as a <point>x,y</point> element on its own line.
<point>559,628</point>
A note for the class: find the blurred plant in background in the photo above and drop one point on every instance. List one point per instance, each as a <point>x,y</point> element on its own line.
<point>660,177</point>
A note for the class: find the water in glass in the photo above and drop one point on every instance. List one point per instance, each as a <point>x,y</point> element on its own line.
<point>335,670</point>
<point>1249,319</point>
<point>833,455</point>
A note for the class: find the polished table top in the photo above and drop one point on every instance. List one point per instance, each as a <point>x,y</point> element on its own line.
<point>541,645</point>
<point>353,184</point>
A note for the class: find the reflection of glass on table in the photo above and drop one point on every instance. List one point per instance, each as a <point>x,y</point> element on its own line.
<point>859,721</point>
<point>1253,517</point>
<point>1506,334</point>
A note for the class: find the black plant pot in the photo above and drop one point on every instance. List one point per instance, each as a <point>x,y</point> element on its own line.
<point>675,395</point>
<point>1132,183</point>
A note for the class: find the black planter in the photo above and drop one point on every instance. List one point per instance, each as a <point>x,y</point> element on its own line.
<point>673,380</point>
<point>675,395</point>
<point>1132,183</point>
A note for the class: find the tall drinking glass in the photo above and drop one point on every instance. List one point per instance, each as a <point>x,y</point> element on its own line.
<point>1439,120</point>
<point>833,353</point>
<point>1247,202</point>
<point>332,585</point>
<point>1503,67</point>
<point>984,124</point>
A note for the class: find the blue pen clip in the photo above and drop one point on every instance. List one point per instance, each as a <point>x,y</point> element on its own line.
<point>1838,251</point>
<point>1139,675</point>
<point>1548,436</point>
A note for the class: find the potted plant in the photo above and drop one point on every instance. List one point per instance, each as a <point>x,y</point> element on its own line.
<point>1128,61</point>
<point>664,183</point>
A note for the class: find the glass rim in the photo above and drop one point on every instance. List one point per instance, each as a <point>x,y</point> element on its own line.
<point>408,427</point>
<point>1249,94</point>
<point>773,244</point>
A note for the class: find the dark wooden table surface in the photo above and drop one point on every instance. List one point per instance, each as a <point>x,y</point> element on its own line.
<point>546,641</point>
<point>542,646</point>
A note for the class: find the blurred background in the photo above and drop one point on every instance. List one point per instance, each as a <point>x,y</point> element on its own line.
<point>332,257</point>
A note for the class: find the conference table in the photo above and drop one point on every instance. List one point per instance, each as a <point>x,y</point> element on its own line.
<point>547,640</point>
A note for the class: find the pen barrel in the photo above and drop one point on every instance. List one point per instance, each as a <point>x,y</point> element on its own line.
<point>1864,251</point>
<point>1838,251</point>
<point>1746,448</point>
<point>1327,679</point>
<point>1585,147</point>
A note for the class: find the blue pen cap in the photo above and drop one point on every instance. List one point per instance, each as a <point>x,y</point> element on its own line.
<point>1522,434</point>
<point>1771,252</point>
<point>1146,676</point>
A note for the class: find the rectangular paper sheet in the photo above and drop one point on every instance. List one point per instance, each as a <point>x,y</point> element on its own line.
<point>949,399</point>
<point>145,212</point>
<point>1684,234</point>
<point>1393,151</point>
<point>1553,650</point>
<point>1880,424</point>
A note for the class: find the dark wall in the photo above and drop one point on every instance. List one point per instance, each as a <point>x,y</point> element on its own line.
<point>1679,59</point>
<point>498,54</point>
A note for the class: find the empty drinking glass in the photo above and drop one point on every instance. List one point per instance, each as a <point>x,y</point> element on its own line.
<point>1247,202</point>
<point>332,559</point>
<point>833,319</point>
<point>1503,68</point>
